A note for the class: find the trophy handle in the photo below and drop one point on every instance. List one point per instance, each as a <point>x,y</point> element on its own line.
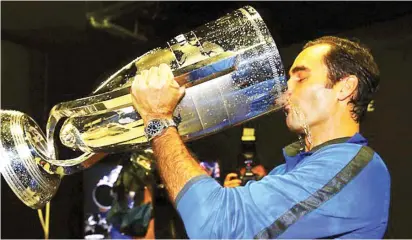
<point>26,163</point>
<point>70,166</point>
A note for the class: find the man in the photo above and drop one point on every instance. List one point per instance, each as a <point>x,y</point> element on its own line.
<point>332,185</point>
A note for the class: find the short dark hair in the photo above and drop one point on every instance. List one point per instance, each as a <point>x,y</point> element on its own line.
<point>346,58</point>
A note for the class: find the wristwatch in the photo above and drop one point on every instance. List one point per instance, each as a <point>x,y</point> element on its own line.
<point>156,127</point>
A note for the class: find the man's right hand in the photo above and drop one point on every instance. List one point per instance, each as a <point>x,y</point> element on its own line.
<point>231,180</point>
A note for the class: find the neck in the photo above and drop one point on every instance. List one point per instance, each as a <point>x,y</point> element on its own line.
<point>329,130</point>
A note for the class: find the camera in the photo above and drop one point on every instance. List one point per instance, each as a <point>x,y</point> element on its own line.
<point>248,155</point>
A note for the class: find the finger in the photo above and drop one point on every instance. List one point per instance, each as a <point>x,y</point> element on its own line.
<point>142,78</point>
<point>230,176</point>
<point>227,184</point>
<point>167,71</point>
<point>236,182</point>
<point>144,74</point>
<point>153,77</point>
<point>171,79</point>
<point>227,178</point>
<point>164,74</point>
<point>232,184</point>
<point>137,84</point>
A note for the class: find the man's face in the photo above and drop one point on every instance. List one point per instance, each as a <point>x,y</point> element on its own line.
<point>310,103</point>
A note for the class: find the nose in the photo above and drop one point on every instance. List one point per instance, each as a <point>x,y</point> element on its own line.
<point>289,90</point>
<point>290,86</point>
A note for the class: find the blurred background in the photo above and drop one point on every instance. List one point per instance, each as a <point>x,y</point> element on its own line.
<point>58,51</point>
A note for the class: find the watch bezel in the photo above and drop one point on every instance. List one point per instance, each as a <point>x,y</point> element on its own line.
<point>162,124</point>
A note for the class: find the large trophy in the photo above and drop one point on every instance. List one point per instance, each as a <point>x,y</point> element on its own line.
<point>232,72</point>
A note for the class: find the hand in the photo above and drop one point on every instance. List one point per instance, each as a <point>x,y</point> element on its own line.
<point>231,180</point>
<point>155,93</point>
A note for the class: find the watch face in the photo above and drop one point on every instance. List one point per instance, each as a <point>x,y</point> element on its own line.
<point>153,127</point>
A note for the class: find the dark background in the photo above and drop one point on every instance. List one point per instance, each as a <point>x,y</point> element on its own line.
<point>51,53</point>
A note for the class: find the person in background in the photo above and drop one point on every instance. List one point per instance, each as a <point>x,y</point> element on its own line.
<point>131,211</point>
<point>234,179</point>
<point>249,167</point>
<point>211,168</point>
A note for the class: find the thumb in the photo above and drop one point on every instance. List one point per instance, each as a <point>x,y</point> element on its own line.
<point>230,176</point>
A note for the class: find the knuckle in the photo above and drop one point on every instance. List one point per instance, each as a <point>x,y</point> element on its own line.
<point>155,85</point>
<point>154,69</point>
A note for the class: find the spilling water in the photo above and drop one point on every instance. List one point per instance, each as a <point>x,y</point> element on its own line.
<point>300,116</point>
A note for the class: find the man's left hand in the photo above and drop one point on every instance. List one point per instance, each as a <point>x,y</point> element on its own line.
<point>155,93</point>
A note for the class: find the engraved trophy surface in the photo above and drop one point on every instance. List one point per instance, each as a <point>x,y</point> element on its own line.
<point>232,71</point>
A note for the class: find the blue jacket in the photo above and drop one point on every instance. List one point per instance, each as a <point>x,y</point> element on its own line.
<point>339,189</point>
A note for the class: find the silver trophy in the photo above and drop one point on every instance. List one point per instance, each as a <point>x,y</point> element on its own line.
<point>232,72</point>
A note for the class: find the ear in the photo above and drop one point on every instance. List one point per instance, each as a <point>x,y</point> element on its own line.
<point>348,86</point>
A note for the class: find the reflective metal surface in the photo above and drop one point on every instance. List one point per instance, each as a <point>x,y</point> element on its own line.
<point>231,68</point>
<point>22,149</point>
<point>232,72</point>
